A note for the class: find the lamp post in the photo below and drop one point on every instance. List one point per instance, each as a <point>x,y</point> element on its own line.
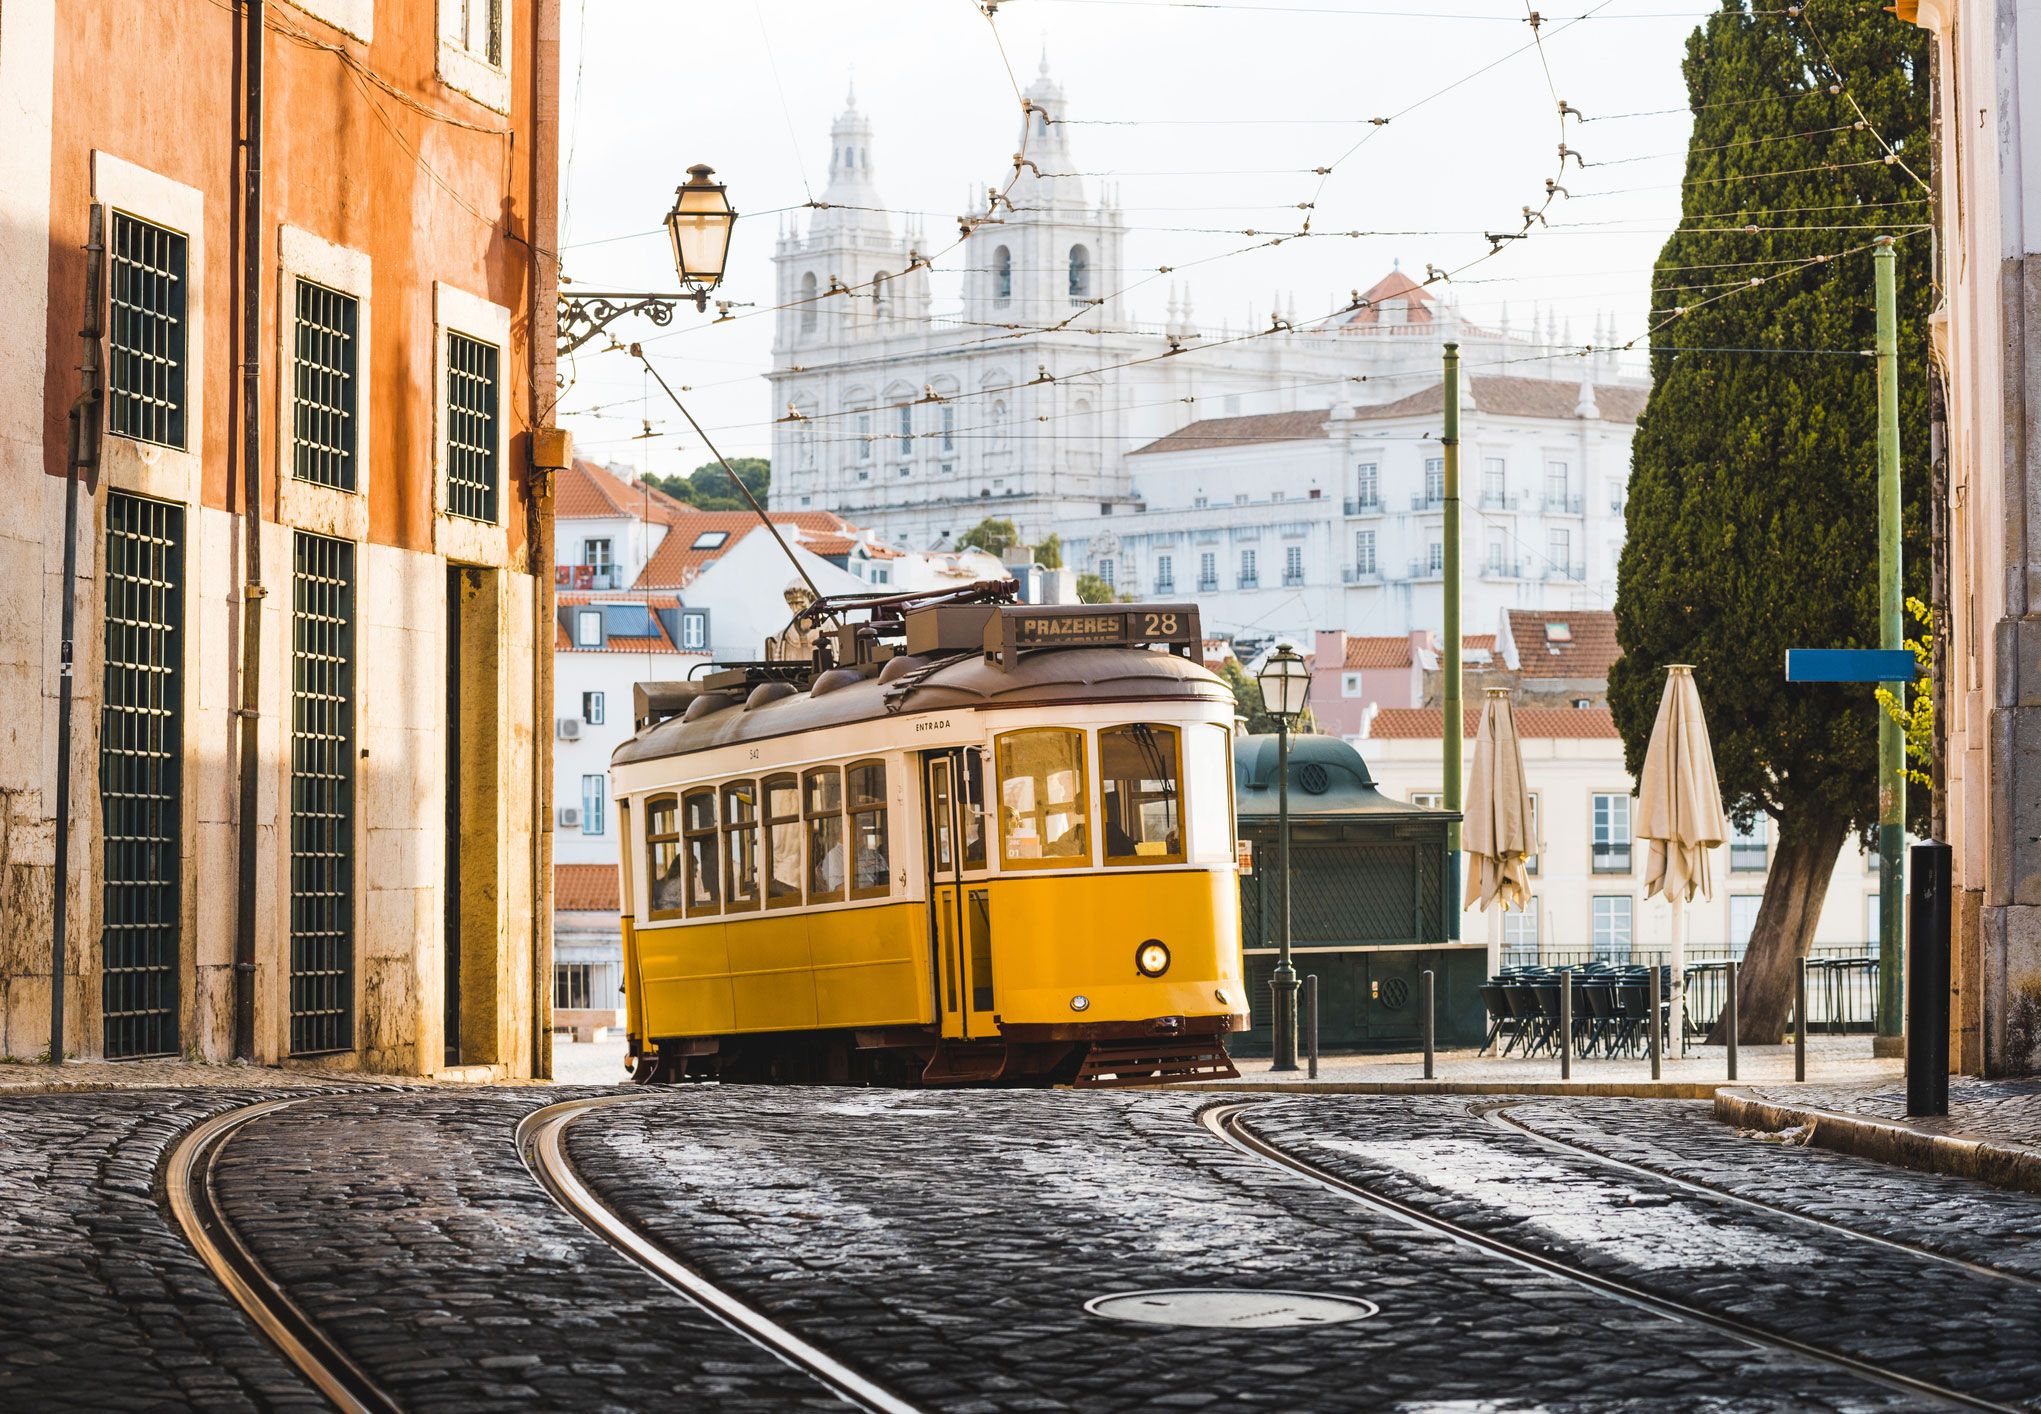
<point>1285,684</point>
<point>699,226</point>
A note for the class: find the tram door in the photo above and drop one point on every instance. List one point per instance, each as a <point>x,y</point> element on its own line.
<point>960,917</point>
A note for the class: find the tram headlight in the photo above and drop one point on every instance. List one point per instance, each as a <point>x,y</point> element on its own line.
<point>1152,958</point>
<point>1080,1002</point>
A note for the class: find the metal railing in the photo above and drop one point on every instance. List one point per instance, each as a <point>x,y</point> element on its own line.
<point>1565,505</point>
<point>1574,571</point>
<point>1503,569</point>
<point>1842,981</point>
<point>1292,580</point>
<point>1248,581</point>
<point>1359,574</point>
<point>1364,506</point>
<point>1208,584</point>
<point>1428,502</point>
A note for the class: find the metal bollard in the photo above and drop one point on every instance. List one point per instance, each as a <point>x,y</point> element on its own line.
<point>1800,1023</point>
<point>1311,1022</point>
<point>1928,926</point>
<point>1431,1022</point>
<point>1732,1018</point>
<point>1657,1039</point>
<point>1566,1023</point>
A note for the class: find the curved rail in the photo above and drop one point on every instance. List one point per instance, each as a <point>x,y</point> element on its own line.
<point>539,1144</point>
<point>1501,1117</point>
<point>1224,1120</point>
<point>188,1184</point>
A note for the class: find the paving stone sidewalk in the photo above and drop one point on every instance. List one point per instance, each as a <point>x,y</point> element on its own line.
<point>102,1303</point>
<point>1992,1131</point>
<point>1910,1312</point>
<point>945,1243</point>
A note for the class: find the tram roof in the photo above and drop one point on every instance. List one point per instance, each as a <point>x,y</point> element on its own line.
<point>1327,777</point>
<point>962,683</point>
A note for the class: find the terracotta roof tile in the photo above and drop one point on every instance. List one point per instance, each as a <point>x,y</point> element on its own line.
<point>677,560</point>
<point>1533,723</point>
<point>1241,431</point>
<point>585,888</point>
<point>1390,286</point>
<point>619,596</point>
<point>1589,650</point>
<point>1378,652</point>
<point>1516,397</point>
<point>585,491</point>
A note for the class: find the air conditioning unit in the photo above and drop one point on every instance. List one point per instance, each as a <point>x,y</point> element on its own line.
<point>569,728</point>
<point>570,817</point>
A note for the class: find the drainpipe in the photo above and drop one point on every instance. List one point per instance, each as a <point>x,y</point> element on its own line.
<point>252,591</point>
<point>552,449</point>
<point>84,457</point>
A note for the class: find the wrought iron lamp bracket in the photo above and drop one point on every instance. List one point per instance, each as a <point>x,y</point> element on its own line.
<point>583,316</point>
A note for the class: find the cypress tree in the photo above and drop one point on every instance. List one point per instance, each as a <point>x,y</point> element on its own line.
<point>1752,523</point>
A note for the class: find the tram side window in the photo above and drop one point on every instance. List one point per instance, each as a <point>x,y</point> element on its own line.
<point>865,790</point>
<point>822,811</point>
<point>1042,797</point>
<point>1141,807</point>
<point>698,825</point>
<point>1208,784</point>
<point>782,842</point>
<point>662,858</point>
<point>740,846</point>
<point>973,803</point>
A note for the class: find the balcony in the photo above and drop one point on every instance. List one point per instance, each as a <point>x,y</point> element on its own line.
<point>1165,586</point>
<point>1563,505</point>
<point>1576,572</point>
<point>1424,569</point>
<point>1364,506</point>
<point>1499,501</point>
<point>1292,580</point>
<point>1428,502</point>
<point>589,577</point>
<point>1503,569</point>
<point>1360,574</point>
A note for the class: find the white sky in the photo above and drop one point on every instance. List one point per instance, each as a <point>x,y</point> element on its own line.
<point>1277,87</point>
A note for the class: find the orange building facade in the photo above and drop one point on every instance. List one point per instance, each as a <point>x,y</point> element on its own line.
<point>315,273</point>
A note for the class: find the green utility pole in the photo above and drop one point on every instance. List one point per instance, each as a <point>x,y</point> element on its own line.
<point>1891,747</point>
<point>1453,717</point>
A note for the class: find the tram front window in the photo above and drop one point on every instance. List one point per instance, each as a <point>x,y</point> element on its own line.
<point>1042,797</point>
<point>1138,773</point>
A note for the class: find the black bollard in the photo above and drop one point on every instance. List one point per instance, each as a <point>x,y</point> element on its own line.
<point>1732,1018</point>
<point>1311,1021</point>
<point>1927,980</point>
<point>1800,1023</point>
<point>1431,1021</point>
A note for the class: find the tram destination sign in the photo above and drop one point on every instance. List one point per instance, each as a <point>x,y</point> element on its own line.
<point>1015,630</point>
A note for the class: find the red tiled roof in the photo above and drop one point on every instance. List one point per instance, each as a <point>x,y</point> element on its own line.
<point>1477,642</point>
<point>585,888</point>
<point>676,561</point>
<point>585,491</point>
<point>1389,287</point>
<point>1378,652</point>
<point>1240,431</point>
<point>1589,652</point>
<point>654,600</point>
<point>1516,397</point>
<point>827,545</point>
<point>1542,723</point>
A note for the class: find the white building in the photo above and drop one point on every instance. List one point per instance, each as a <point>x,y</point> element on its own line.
<point>1314,489</point>
<point>1587,881</point>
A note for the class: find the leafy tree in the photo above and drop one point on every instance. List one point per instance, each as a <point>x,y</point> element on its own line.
<point>1752,512</point>
<point>1049,554</point>
<point>1916,717</point>
<point>993,535</point>
<point>708,487</point>
<point>1091,589</point>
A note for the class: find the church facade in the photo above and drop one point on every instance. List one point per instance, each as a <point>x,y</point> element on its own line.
<point>1289,481</point>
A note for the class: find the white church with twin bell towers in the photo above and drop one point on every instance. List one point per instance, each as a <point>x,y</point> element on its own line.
<point>1287,482</point>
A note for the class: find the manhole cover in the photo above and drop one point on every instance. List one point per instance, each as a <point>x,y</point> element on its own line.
<point>1233,1310</point>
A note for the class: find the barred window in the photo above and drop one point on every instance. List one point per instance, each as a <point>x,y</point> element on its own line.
<point>471,413</point>
<point>146,335</point>
<point>322,796</point>
<point>323,393</point>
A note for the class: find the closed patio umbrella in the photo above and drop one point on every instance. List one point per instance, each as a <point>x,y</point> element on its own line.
<point>1496,834</point>
<point>1680,808</point>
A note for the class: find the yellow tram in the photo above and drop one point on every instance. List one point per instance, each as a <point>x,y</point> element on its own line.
<point>964,842</point>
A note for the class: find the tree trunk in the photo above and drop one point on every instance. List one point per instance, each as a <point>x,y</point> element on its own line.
<point>1794,894</point>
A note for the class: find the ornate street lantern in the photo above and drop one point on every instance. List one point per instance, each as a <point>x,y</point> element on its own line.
<point>1285,683</point>
<point>700,224</point>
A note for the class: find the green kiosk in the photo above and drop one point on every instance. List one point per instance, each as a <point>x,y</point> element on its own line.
<point>1370,909</point>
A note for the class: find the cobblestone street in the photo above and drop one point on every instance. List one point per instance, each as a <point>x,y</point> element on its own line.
<point>942,1247</point>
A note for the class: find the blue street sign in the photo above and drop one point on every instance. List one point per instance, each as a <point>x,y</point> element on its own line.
<point>1851,665</point>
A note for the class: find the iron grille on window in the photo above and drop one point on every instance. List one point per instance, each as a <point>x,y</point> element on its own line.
<point>322,797</point>
<point>146,334</point>
<point>323,397</point>
<point>140,767</point>
<point>471,399</point>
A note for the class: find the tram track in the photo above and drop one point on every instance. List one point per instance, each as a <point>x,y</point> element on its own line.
<point>1227,1121</point>
<point>188,1182</point>
<point>541,1145</point>
<point>1503,1118</point>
